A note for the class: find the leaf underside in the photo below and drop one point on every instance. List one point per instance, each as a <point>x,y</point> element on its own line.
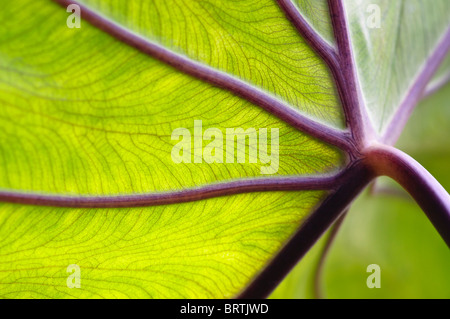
<point>85,114</point>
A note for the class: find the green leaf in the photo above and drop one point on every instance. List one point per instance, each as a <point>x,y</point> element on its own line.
<point>204,249</point>
<point>317,14</point>
<point>252,40</point>
<point>102,113</point>
<point>84,114</point>
<point>441,77</point>
<point>389,230</point>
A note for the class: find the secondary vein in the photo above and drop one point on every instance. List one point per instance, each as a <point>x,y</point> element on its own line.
<point>238,87</point>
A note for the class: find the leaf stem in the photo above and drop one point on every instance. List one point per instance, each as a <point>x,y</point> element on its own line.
<point>376,189</point>
<point>288,183</point>
<point>420,184</point>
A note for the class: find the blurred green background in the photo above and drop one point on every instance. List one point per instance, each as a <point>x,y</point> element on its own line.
<point>389,229</point>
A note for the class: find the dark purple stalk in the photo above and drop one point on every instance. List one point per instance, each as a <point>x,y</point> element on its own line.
<point>180,196</point>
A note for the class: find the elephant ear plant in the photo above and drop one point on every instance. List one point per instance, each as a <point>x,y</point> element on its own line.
<point>112,143</point>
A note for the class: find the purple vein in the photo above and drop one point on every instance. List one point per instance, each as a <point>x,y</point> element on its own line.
<point>416,90</point>
<point>179,196</point>
<point>420,184</point>
<point>322,48</point>
<point>238,87</point>
<point>340,63</point>
<point>356,113</point>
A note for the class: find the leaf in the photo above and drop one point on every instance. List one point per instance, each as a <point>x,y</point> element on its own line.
<point>249,39</point>
<point>88,120</point>
<point>88,115</point>
<point>389,230</point>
